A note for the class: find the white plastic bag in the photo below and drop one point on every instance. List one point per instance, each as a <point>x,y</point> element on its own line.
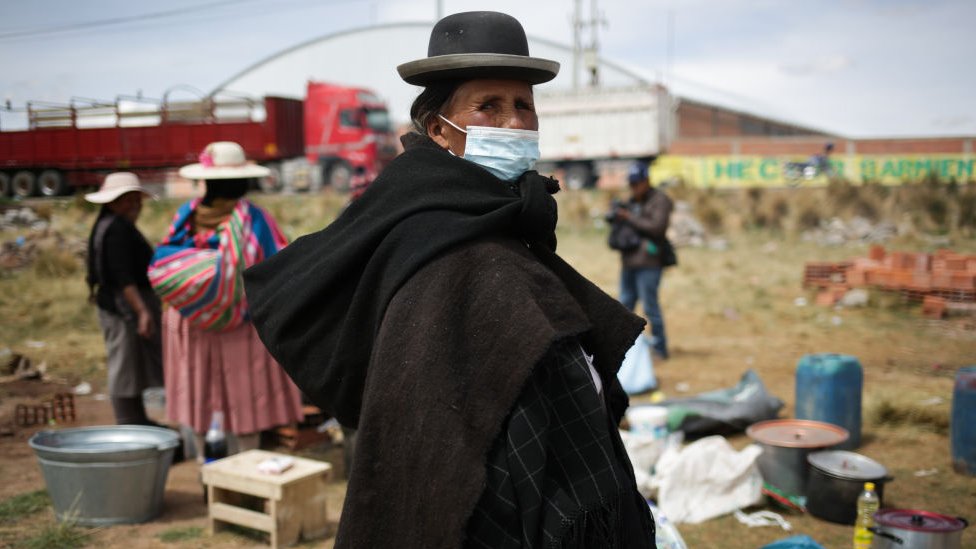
<point>644,451</point>
<point>707,479</point>
<point>636,373</point>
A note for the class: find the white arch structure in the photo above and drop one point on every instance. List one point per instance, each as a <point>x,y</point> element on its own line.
<point>368,57</point>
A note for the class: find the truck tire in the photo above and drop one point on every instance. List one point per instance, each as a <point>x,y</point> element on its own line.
<point>271,183</point>
<point>24,184</point>
<point>52,183</point>
<point>339,175</point>
<point>6,188</point>
<point>579,176</point>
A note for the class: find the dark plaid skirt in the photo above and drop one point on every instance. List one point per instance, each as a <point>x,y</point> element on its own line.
<point>558,474</point>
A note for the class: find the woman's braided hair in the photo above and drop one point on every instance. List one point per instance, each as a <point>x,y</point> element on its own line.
<point>430,102</point>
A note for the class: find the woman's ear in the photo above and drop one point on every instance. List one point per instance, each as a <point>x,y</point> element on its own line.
<point>435,130</point>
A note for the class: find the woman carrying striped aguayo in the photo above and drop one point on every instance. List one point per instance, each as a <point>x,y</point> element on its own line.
<point>213,360</point>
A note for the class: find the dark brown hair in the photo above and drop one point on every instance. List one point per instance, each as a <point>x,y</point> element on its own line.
<point>430,102</point>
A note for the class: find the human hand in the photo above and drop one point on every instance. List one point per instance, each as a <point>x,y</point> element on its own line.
<point>622,214</point>
<point>146,325</point>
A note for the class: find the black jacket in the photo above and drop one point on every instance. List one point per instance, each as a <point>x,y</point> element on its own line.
<point>119,256</point>
<point>651,221</point>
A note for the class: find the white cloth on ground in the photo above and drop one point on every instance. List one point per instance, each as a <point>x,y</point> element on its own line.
<point>707,479</point>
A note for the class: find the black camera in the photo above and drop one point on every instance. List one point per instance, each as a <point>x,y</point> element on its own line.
<point>615,204</point>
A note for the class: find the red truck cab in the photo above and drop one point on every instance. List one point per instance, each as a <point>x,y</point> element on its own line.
<point>348,134</point>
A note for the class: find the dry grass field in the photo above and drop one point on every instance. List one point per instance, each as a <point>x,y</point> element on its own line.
<point>728,309</point>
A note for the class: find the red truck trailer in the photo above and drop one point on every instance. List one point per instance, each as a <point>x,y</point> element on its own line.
<point>339,136</point>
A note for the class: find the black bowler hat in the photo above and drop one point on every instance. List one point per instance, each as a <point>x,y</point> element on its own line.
<point>478,44</point>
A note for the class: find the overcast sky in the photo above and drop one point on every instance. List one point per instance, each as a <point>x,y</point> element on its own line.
<point>854,67</point>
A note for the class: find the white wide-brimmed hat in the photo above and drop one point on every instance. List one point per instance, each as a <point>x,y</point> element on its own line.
<point>223,160</point>
<point>115,185</point>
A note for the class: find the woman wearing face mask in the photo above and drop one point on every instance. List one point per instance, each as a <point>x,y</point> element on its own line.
<point>435,318</point>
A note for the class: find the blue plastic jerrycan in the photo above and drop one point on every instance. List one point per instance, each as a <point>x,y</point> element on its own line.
<point>963,423</point>
<point>828,389</point>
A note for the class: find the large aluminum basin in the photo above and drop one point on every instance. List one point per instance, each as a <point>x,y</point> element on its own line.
<point>113,474</point>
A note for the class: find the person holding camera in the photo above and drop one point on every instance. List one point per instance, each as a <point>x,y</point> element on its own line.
<point>638,232</point>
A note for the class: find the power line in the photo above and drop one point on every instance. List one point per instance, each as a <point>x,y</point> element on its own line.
<point>115,21</point>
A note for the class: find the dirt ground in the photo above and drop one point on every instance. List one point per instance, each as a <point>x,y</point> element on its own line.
<point>183,505</point>
<point>907,453</point>
<point>728,310</point>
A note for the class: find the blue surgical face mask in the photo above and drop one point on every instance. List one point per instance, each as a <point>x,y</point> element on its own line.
<point>506,153</point>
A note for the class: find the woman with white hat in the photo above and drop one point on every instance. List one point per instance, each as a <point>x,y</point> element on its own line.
<point>213,360</point>
<point>128,310</point>
<point>435,317</point>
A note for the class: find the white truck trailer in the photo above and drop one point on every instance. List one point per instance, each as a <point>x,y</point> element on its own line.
<point>586,132</point>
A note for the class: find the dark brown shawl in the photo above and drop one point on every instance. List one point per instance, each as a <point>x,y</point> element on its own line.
<point>417,317</point>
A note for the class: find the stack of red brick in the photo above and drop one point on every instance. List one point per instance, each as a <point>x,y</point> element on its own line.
<point>941,280</point>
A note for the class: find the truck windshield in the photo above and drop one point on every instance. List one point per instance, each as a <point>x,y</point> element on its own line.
<point>378,120</point>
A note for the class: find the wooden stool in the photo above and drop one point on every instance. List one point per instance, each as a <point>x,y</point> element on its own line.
<point>294,505</point>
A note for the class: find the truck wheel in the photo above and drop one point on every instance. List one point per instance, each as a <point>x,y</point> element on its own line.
<point>339,176</point>
<point>579,176</point>
<point>6,189</point>
<point>52,183</point>
<point>271,183</point>
<point>24,184</point>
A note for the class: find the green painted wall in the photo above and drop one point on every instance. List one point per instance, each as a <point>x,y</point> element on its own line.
<point>749,171</point>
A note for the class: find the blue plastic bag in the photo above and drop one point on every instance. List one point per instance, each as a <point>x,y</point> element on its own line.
<point>667,535</point>
<point>636,374</point>
<point>794,542</point>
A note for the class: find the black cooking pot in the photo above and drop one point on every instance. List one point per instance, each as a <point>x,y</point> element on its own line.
<point>835,481</point>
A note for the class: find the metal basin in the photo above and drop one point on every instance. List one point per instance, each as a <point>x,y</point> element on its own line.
<point>106,475</point>
<point>786,444</point>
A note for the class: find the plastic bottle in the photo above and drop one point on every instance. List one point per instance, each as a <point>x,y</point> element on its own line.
<point>215,441</point>
<point>867,505</point>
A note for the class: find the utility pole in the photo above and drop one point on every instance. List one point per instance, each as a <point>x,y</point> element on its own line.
<point>592,53</point>
<point>440,10</point>
<point>588,55</point>
<point>577,47</point>
<point>669,54</point>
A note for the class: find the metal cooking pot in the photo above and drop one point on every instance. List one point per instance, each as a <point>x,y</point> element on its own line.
<point>786,444</point>
<point>836,480</point>
<point>912,529</point>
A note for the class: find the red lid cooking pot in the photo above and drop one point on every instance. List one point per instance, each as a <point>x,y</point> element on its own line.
<point>910,528</point>
<point>786,444</point>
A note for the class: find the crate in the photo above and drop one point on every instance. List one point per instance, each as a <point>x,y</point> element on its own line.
<point>302,435</point>
<point>298,437</point>
<point>292,505</point>
<point>877,252</point>
<point>824,274</point>
<point>934,307</point>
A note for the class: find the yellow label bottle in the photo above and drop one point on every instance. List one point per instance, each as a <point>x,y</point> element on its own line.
<point>867,505</point>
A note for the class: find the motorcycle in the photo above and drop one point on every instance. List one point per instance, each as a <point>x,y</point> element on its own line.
<point>796,173</point>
